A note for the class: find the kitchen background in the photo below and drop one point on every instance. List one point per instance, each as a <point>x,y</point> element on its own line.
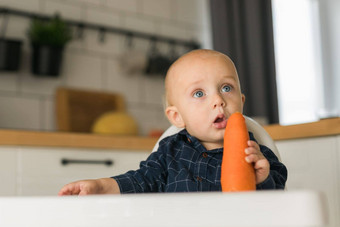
<point>28,102</point>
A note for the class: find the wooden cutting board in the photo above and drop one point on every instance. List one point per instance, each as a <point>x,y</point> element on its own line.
<point>76,109</point>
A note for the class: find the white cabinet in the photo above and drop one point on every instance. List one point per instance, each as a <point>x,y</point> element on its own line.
<point>8,172</point>
<point>313,163</point>
<point>39,171</point>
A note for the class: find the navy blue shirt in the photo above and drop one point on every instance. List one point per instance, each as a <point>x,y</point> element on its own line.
<point>183,164</point>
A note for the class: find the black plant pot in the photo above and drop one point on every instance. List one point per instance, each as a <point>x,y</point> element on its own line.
<point>46,60</point>
<point>10,54</point>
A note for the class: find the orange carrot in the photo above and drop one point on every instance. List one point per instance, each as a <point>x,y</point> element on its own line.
<point>236,173</point>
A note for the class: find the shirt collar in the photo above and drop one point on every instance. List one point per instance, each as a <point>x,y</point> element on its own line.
<point>193,141</point>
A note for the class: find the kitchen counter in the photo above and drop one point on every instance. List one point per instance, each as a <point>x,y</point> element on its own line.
<point>78,140</point>
<point>325,127</point>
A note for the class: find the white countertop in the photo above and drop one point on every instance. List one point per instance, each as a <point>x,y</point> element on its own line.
<point>265,209</point>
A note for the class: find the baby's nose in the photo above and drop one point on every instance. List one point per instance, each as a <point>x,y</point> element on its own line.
<point>218,101</point>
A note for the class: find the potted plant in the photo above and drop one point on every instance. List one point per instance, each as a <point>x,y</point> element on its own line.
<point>48,39</point>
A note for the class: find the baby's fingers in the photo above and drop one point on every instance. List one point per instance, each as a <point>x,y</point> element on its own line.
<point>70,189</point>
<point>251,150</point>
<point>252,158</point>
<point>253,144</point>
<point>65,191</point>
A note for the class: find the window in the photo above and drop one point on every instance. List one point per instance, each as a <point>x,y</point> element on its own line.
<point>298,60</point>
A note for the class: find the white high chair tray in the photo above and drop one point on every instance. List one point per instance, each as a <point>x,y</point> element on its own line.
<point>265,209</point>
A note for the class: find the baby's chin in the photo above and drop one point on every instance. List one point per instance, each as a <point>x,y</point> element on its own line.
<point>212,144</point>
<point>220,135</point>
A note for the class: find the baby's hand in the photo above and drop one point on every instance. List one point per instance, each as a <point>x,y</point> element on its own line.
<point>261,164</point>
<point>83,187</point>
<point>87,187</point>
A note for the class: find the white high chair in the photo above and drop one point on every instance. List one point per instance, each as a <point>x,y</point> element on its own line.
<point>259,132</point>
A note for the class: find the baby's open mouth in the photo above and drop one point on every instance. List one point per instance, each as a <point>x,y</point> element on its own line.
<point>220,121</point>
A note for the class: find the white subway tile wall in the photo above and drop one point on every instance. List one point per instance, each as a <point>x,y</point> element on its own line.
<point>27,102</point>
<point>9,81</point>
<point>83,71</point>
<point>129,85</point>
<point>17,27</point>
<point>48,113</point>
<point>29,5</point>
<point>68,11</point>
<point>20,111</point>
<point>126,5</point>
<point>103,16</point>
<point>160,9</point>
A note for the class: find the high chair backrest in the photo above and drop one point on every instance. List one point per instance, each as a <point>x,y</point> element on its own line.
<point>259,132</point>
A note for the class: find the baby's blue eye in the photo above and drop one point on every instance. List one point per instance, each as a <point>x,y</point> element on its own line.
<point>198,94</point>
<point>226,88</point>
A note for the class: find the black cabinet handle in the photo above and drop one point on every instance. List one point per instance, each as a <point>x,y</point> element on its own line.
<point>66,161</point>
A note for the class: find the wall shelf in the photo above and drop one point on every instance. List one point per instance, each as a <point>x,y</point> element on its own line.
<point>102,29</point>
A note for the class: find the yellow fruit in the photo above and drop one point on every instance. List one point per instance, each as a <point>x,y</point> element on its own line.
<point>115,123</point>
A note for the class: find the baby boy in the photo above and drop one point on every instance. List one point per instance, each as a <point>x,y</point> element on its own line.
<point>202,91</point>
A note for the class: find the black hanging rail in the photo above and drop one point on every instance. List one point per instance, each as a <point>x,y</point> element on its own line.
<point>103,29</point>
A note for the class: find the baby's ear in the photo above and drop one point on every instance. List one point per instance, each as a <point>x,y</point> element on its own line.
<point>174,116</point>
<point>243,98</point>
